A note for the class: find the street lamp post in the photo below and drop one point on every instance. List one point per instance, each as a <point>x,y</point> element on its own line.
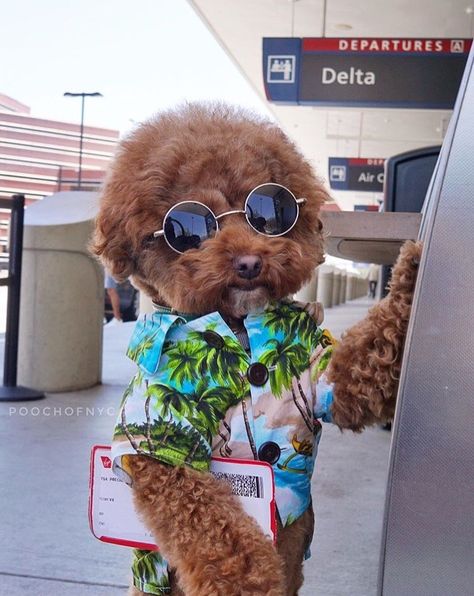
<point>81,137</point>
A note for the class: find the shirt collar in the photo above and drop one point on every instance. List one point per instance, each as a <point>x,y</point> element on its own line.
<point>151,331</point>
<point>166,310</point>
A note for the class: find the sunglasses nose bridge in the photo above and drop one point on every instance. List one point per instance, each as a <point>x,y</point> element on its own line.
<point>226,213</point>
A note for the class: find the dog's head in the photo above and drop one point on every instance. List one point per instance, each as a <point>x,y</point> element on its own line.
<point>214,155</point>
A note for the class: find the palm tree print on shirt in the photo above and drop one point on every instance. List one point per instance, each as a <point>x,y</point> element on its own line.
<point>293,322</point>
<point>287,358</point>
<point>140,349</point>
<point>190,382</point>
<point>150,570</point>
<point>199,381</point>
<point>286,361</point>
<point>223,364</point>
<point>196,413</point>
<point>182,444</point>
<point>184,359</point>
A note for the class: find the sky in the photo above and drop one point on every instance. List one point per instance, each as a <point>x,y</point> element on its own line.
<point>142,55</point>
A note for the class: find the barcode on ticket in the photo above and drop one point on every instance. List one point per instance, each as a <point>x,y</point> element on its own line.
<point>243,485</point>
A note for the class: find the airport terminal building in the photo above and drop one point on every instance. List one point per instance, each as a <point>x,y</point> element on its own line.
<point>39,156</point>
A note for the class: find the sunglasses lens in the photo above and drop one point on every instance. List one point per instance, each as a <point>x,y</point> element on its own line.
<point>189,224</point>
<point>271,209</point>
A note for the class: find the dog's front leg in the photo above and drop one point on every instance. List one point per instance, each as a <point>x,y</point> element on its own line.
<point>201,529</point>
<point>365,366</point>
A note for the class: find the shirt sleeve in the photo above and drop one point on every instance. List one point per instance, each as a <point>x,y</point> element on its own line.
<point>154,418</point>
<point>153,421</point>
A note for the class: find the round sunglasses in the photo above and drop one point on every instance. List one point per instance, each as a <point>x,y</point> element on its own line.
<point>270,209</point>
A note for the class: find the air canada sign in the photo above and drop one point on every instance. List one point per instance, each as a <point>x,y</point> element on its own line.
<point>355,173</point>
<point>369,72</point>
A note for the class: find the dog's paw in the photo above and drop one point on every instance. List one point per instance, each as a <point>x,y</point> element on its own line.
<point>411,252</point>
<point>405,269</point>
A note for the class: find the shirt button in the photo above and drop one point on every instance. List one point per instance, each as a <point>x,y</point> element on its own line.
<point>213,339</point>
<point>257,374</point>
<point>269,452</point>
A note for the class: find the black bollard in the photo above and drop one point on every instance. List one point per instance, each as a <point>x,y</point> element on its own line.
<point>10,391</point>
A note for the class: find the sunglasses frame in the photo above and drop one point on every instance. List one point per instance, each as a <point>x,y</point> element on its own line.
<point>298,202</point>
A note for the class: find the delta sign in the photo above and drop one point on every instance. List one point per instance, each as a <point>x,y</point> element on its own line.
<point>368,72</point>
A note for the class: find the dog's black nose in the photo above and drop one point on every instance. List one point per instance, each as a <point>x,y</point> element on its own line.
<point>248,266</point>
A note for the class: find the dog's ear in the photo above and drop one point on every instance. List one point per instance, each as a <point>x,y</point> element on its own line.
<point>112,248</point>
<point>128,190</point>
<point>110,241</point>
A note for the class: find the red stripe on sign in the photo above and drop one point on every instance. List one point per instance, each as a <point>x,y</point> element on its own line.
<point>387,46</point>
<point>370,161</point>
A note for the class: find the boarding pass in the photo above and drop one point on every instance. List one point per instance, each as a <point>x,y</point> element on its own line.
<point>112,517</point>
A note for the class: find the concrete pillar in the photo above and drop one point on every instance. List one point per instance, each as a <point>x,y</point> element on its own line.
<point>62,296</point>
<point>325,285</point>
<point>350,283</point>
<point>364,287</point>
<point>308,291</point>
<point>356,287</point>
<point>342,291</point>
<point>336,288</point>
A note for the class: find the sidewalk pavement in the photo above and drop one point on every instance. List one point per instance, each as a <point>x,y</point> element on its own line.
<point>47,549</point>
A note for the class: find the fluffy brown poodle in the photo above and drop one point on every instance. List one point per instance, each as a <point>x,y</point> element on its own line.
<point>215,156</point>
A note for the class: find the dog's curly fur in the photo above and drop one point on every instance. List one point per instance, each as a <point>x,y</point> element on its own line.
<point>217,155</point>
<point>220,550</point>
<point>365,368</point>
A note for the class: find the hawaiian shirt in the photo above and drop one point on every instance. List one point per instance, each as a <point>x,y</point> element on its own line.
<point>198,392</point>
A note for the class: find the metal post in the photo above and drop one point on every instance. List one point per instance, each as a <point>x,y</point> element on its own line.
<point>10,391</point>
<point>81,140</point>
<point>83,96</point>
<point>60,177</point>
<point>13,307</point>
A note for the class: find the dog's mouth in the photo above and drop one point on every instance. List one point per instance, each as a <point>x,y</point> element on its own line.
<point>248,286</point>
<point>243,298</point>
